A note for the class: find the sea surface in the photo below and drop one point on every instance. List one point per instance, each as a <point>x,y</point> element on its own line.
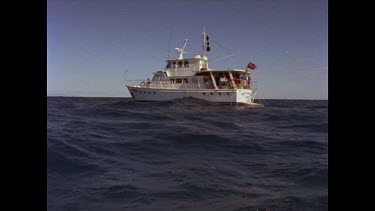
<point>117,154</point>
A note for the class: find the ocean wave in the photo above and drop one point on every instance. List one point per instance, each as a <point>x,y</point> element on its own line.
<point>114,154</point>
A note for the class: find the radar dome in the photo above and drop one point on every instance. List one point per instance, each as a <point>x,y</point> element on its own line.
<point>197,56</point>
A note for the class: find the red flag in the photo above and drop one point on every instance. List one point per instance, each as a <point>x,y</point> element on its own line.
<point>251,66</point>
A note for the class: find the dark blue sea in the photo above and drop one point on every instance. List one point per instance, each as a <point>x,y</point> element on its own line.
<point>117,154</point>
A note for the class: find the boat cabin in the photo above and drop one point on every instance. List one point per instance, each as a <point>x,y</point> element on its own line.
<point>186,67</point>
<point>194,73</point>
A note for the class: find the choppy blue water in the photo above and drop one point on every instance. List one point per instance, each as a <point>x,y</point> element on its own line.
<point>116,154</point>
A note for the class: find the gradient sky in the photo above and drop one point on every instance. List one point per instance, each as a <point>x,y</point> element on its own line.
<point>90,43</point>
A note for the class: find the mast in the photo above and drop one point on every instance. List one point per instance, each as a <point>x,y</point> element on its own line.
<point>204,42</point>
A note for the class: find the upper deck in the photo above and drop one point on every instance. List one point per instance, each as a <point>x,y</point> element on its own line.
<point>186,67</point>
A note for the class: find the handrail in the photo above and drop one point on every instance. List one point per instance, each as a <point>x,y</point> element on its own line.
<point>133,82</point>
<point>182,85</point>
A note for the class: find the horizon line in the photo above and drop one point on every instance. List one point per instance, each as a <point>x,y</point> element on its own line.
<point>131,97</point>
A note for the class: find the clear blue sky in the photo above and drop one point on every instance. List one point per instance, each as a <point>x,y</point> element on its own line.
<point>90,43</point>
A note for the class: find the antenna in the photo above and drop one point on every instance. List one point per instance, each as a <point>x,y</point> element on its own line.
<point>170,37</point>
<point>125,76</point>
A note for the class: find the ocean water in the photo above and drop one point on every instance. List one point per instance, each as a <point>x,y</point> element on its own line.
<point>117,154</point>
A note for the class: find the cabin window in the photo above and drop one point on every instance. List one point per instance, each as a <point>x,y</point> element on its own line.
<point>157,78</point>
<point>178,80</point>
<point>186,63</point>
<point>173,81</point>
<point>169,65</point>
<point>194,80</point>
<point>180,64</point>
<point>185,80</point>
<point>174,64</point>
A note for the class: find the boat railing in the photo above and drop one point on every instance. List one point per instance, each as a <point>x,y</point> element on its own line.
<point>171,85</point>
<point>153,84</point>
<point>183,85</point>
<point>162,84</point>
<point>137,83</point>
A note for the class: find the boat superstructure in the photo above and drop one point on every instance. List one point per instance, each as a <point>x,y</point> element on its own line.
<point>192,78</point>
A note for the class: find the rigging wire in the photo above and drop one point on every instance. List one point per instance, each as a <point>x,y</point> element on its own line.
<point>227,52</point>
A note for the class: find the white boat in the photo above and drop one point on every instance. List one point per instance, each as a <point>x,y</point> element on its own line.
<point>192,78</point>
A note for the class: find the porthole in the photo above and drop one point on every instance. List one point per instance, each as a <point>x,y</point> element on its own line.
<point>211,93</point>
<point>227,93</point>
<point>149,92</point>
<point>144,92</point>
<point>154,92</point>
<point>204,93</point>
<point>219,93</point>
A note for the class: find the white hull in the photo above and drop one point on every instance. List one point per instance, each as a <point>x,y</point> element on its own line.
<point>227,96</point>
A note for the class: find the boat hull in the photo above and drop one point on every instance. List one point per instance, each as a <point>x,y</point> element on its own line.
<point>227,96</point>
